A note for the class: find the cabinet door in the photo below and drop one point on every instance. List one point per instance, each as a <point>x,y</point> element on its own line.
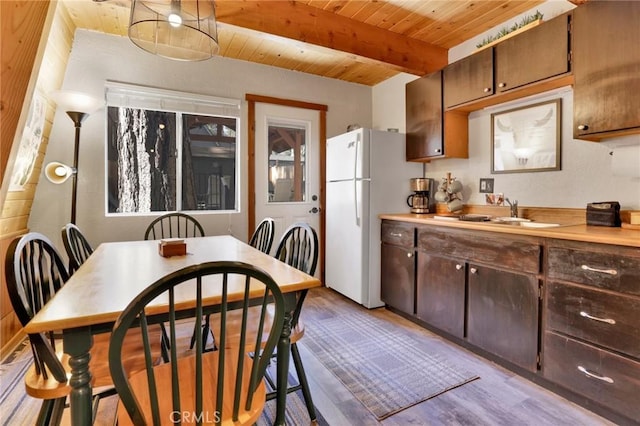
<point>503,314</point>
<point>469,78</point>
<point>440,297</point>
<point>606,58</point>
<point>536,54</point>
<point>397,286</point>
<point>424,117</point>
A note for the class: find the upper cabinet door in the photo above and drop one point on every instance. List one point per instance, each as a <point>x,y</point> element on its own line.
<point>424,117</point>
<point>536,54</point>
<point>606,62</point>
<point>469,78</point>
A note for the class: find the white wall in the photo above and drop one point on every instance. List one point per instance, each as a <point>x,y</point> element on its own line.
<point>586,173</point>
<point>97,57</point>
<point>388,103</point>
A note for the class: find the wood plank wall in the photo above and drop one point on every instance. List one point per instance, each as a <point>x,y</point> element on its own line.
<point>36,43</point>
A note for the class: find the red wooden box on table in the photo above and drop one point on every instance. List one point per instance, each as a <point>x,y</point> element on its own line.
<point>169,247</point>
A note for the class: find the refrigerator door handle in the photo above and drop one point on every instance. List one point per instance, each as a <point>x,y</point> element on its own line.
<point>355,180</point>
<point>356,198</point>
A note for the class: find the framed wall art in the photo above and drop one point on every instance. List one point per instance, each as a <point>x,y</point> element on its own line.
<point>526,139</point>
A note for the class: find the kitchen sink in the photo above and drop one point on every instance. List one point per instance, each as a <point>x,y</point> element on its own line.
<point>524,223</point>
<point>538,224</point>
<point>506,220</point>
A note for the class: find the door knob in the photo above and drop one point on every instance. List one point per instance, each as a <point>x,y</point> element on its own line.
<point>314,210</point>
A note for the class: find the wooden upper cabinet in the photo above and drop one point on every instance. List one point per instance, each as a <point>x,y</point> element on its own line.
<point>431,132</point>
<point>606,57</point>
<point>424,117</point>
<point>536,54</point>
<point>469,78</point>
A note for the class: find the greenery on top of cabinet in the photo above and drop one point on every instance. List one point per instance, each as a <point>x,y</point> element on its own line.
<point>506,30</point>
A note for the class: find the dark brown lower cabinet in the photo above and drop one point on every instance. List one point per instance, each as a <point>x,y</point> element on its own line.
<point>605,377</point>
<point>486,289</point>
<point>503,314</point>
<point>440,293</point>
<point>397,279</point>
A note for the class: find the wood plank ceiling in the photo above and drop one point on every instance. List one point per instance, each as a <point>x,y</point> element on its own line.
<point>358,41</point>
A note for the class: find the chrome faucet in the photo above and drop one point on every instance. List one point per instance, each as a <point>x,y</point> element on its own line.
<point>514,207</point>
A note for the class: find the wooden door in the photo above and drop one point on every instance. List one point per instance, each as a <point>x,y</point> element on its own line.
<point>536,54</point>
<point>469,78</point>
<point>397,280</point>
<point>606,63</point>
<point>503,314</point>
<point>424,117</point>
<point>440,293</point>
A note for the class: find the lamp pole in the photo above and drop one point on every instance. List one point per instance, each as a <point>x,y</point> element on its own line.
<point>77,118</point>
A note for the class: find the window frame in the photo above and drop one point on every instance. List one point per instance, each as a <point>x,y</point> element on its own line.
<point>179,103</point>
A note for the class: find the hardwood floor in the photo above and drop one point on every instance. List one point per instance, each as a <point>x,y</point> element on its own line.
<point>499,397</point>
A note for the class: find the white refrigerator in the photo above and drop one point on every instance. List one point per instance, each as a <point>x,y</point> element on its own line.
<point>367,175</point>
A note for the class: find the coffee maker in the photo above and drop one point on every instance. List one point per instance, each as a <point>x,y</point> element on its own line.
<point>419,201</point>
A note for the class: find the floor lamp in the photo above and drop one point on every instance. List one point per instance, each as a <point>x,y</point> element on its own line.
<point>78,106</point>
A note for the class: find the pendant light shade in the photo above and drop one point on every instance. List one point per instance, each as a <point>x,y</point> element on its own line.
<point>184,30</point>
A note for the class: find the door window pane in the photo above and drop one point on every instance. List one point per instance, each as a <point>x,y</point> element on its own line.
<point>287,151</point>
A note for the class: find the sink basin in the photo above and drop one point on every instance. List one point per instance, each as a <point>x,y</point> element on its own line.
<point>538,224</point>
<point>519,221</point>
<point>508,219</point>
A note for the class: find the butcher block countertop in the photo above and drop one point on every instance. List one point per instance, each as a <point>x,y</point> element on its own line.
<point>568,231</point>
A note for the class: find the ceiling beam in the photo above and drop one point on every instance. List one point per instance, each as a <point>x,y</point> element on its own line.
<point>312,25</point>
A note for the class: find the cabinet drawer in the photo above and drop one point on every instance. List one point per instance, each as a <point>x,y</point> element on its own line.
<point>397,233</point>
<point>606,319</point>
<point>611,380</point>
<point>504,252</point>
<point>607,270</point>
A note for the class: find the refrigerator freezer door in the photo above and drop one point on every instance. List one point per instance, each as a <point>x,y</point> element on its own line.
<point>348,156</point>
<point>347,236</point>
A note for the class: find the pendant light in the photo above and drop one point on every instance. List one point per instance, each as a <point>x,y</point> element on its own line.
<point>184,30</point>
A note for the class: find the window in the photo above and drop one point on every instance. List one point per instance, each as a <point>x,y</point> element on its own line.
<point>287,150</point>
<point>169,151</point>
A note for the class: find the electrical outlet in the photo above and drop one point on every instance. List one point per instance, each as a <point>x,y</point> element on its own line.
<point>486,185</point>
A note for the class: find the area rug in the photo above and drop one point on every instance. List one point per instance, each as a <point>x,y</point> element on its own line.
<point>387,370</point>
<point>19,409</point>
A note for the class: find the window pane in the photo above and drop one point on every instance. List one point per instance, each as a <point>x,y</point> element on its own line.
<point>208,162</point>
<point>141,160</point>
<point>286,163</point>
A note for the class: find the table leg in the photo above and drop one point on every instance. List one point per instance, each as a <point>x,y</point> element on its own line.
<point>282,360</point>
<point>77,343</point>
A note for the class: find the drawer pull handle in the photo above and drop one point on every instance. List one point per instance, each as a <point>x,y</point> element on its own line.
<point>474,270</point>
<point>458,266</point>
<point>604,271</point>
<point>595,376</point>
<point>395,234</point>
<point>607,320</point>
<point>409,254</point>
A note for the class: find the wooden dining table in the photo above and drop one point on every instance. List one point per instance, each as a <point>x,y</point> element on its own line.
<point>93,298</point>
